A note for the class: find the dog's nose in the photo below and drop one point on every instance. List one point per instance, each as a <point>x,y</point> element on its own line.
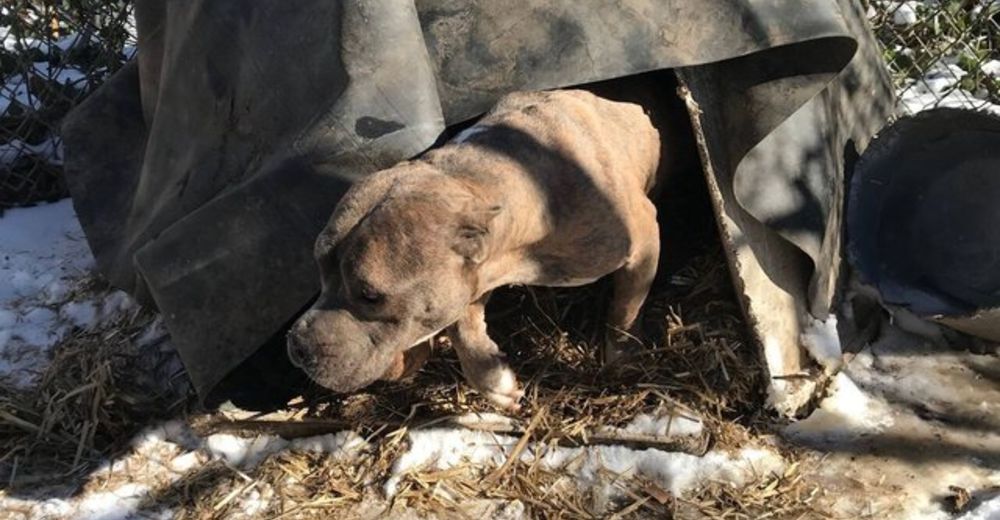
<point>300,355</point>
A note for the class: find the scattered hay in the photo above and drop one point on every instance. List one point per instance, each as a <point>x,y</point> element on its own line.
<point>785,496</point>
<point>97,392</point>
<point>702,364</point>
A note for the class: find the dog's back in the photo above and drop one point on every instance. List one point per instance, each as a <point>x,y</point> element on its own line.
<point>569,142</point>
<point>575,167</point>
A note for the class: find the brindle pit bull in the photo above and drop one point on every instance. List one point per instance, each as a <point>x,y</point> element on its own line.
<point>549,188</point>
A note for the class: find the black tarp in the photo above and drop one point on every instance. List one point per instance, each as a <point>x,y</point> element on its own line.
<point>202,172</point>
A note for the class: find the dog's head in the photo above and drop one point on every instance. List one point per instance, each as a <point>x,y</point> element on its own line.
<point>398,264</point>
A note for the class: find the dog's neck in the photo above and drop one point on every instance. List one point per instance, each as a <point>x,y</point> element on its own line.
<point>512,231</point>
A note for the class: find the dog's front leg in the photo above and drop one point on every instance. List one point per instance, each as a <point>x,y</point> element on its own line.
<point>484,365</point>
<point>631,286</point>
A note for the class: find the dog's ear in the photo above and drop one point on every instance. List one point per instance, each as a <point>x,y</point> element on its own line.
<point>473,231</point>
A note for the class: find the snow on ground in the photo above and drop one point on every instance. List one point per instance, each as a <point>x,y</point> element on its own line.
<point>906,13</point>
<point>56,64</point>
<point>939,85</point>
<point>163,454</point>
<point>989,510</point>
<point>447,448</point>
<point>121,489</point>
<point>50,149</point>
<point>939,88</point>
<point>847,413</point>
<point>904,421</point>
<point>44,258</point>
<point>678,473</point>
<point>821,340</point>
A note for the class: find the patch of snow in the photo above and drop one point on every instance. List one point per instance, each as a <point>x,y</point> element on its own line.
<point>51,508</point>
<point>50,149</point>
<point>163,454</point>
<point>40,243</point>
<point>56,292</point>
<point>255,503</point>
<point>39,326</point>
<point>129,48</point>
<point>131,27</point>
<point>62,44</point>
<point>62,74</point>
<point>15,89</point>
<point>821,339</point>
<point>442,449</point>
<point>677,473</point>
<point>890,423</point>
<point>176,432</point>
<point>988,510</point>
<point>991,67</point>
<point>80,314</point>
<point>939,88</point>
<point>341,445</point>
<point>186,462</point>
<point>72,40</point>
<point>445,448</point>
<point>155,334</point>
<point>118,504</point>
<point>43,258</point>
<point>243,452</point>
<point>847,413</point>
<point>248,452</point>
<point>906,13</point>
<point>116,303</point>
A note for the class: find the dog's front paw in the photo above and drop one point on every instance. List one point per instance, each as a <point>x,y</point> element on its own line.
<point>496,382</point>
<point>507,393</point>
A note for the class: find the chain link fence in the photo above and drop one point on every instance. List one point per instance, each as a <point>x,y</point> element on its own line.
<point>940,52</point>
<point>53,54</point>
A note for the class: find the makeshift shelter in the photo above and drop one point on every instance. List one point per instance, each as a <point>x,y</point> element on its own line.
<point>203,171</point>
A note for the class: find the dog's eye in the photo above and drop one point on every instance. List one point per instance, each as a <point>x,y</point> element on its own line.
<point>370,295</point>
